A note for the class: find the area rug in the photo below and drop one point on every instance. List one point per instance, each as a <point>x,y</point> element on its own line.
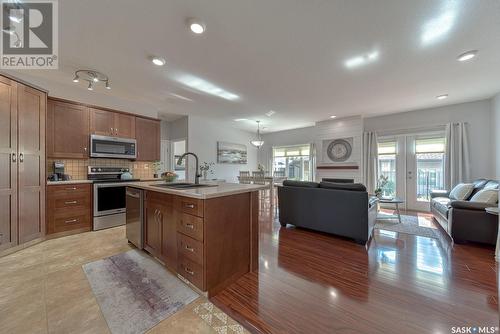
<point>409,225</point>
<point>135,292</point>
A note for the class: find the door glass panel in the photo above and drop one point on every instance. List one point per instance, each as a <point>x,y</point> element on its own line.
<point>430,166</point>
<point>387,166</point>
<point>292,162</point>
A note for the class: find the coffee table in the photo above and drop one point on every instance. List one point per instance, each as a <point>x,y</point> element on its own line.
<point>396,201</point>
<point>494,211</point>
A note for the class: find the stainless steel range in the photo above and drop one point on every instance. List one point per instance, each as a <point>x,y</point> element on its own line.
<point>109,195</point>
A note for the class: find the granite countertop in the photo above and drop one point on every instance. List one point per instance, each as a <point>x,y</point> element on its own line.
<point>51,183</point>
<point>218,190</point>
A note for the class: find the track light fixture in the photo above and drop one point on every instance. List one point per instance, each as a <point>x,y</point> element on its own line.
<point>92,77</point>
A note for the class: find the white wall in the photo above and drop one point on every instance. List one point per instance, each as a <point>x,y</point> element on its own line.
<point>331,129</point>
<point>495,132</point>
<point>203,135</point>
<point>476,114</point>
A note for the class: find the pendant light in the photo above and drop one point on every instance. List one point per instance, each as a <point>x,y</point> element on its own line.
<point>258,142</point>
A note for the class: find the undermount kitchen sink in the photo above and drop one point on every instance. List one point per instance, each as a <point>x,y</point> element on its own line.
<point>183,185</point>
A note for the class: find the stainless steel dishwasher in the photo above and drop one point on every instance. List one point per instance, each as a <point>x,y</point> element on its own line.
<point>134,216</point>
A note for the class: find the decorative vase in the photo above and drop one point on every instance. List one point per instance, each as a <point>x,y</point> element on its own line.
<point>205,173</point>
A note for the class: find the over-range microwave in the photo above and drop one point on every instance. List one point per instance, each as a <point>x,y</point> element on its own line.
<point>112,147</point>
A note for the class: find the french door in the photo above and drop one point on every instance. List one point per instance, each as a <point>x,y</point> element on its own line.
<point>414,167</point>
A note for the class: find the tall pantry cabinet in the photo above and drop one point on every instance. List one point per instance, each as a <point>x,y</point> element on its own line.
<point>22,163</point>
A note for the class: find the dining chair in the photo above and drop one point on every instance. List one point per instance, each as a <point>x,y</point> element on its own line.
<point>245,177</point>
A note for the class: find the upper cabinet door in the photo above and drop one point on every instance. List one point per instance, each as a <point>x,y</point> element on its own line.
<point>8,163</point>
<point>125,125</point>
<point>147,133</point>
<point>102,122</point>
<point>31,106</point>
<point>67,130</point>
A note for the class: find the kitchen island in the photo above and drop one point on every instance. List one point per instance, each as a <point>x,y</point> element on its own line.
<point>208,236</point>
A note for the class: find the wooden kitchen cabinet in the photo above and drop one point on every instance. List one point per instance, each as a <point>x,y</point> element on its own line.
<point>102,122</point>
<point>147,134</point>
<point>69,208</point>
<point>8,170</point>
<point>67,130</point>
<point>22,163</point>
<point>109,123</point>
<point>161,228</point>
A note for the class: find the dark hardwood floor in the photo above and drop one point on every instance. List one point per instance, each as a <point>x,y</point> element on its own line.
<point>315,283</point>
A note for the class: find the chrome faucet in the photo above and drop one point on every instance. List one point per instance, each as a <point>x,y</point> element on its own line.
<point>197,175</point>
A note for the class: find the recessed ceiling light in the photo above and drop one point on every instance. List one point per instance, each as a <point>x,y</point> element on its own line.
<point>158,61</point>
<point>467,55</point>
<point>442,97</point>
<point>196,26</point>
<point>333,116</point>
<point>270,113</point>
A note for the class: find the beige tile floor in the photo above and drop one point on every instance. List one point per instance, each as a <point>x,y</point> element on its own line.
<point>43,290</point>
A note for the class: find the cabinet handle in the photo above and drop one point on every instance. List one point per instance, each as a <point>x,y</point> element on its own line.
<point>189,271</point>
<point>70,202</point>
<point>111,130</point>
<point>71,188</point>
<point>84,149</point>
<point>189,206</point>
<point>71,221</point>
<point>191,249</point>
<point>14,157</point>
<point>21,157</point>
<point>191,226</point>
<point>116,131</point>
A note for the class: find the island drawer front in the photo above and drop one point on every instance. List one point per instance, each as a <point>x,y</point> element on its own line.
<point>192,206</point>
<point>159,197</point>
<point>190,248</point>
<point>191,271</point>
<point>69,189</point>
<point>191,226</point>
<point>68,222</point>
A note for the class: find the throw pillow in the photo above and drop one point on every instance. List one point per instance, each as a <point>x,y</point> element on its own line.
<point>462,191</point>
<point>489,196</point>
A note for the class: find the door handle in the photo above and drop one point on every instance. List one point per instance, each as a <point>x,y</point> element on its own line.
<point>71,188</point>
<point>189,206</point>
<point>191,249</point>
<point>70,202</point>
<point>14,157</point>
<point>71,221</point>
<point>21,157</point>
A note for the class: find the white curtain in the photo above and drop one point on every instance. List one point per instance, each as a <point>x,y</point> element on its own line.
<point>312,161</point>
<point>370,165</point>
<point>457,161</point>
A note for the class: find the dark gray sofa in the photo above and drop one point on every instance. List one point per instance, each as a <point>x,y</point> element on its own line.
<point>337,208</point>
<point>465,220</point>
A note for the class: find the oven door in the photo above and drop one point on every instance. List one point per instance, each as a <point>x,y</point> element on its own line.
<point>112,147</point>
<point>109,198</point>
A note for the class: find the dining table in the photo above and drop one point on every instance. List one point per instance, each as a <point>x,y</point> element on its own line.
<point>272,181</point>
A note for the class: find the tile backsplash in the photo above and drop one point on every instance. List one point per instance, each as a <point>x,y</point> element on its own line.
<point>77,168</point>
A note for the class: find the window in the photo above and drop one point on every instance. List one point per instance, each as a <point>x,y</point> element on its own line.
<point>430,166</point>
<point>387,166</point>
<point>292,162</point>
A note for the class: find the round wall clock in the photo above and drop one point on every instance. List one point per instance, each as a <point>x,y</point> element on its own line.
<point>339,150</point>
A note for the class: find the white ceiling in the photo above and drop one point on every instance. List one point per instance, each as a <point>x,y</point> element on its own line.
<point>281,55</point>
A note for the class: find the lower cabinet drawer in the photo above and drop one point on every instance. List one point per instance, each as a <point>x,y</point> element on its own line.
<point>189,248</point>
<point>74,202</point>
<point>69,222</point>
<point>191,226</point>
<point>191,271</point>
